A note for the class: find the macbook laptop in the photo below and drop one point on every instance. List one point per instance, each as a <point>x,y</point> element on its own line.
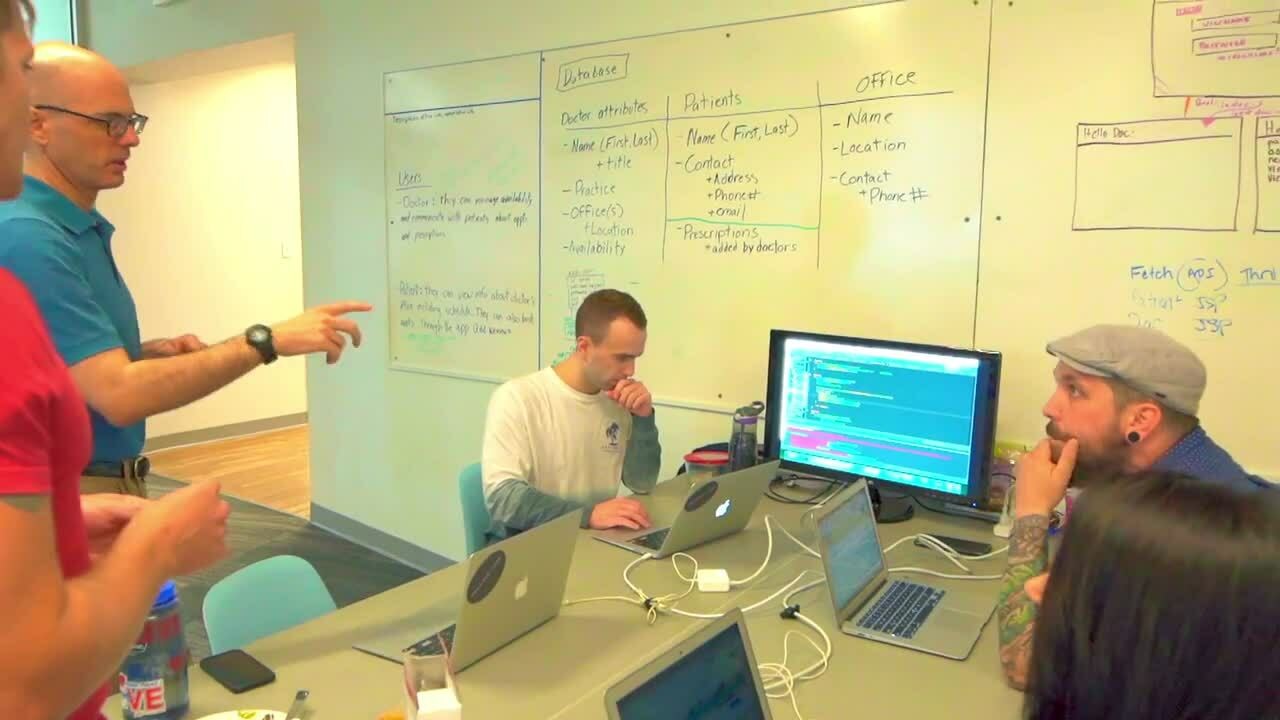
<point>715,507</point>
<point>511,588</point>
<point>869,604</point>
<point>712,675</point>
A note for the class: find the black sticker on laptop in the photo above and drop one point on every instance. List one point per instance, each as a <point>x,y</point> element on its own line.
<point>486,577</point>
<point>699,497</point>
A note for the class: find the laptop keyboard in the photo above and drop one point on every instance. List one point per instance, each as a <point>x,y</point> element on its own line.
<point>902,609</point>
<point>430,645</point>
<point>652,540</point>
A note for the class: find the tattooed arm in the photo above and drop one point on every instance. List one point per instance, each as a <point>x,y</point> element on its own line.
<point>1041,485</point>
<point>1016,613</point>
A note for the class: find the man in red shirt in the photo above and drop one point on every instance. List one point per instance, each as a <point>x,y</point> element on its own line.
<point>77,575</point>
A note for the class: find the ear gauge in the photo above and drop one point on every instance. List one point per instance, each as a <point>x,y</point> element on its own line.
<point>1133,437</point>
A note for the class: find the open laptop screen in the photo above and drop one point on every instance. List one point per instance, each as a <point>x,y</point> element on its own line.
<point>713,682</point>
<point>849,533</point>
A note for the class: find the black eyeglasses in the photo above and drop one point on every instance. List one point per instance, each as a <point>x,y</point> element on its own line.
<point>117,124</point>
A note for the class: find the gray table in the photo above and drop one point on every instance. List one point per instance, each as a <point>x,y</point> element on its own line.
<point>561,669</point>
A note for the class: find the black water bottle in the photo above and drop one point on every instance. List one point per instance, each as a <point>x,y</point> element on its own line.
<point>743,440</point>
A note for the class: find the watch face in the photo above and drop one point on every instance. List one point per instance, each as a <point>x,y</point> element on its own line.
<point>257,335</point>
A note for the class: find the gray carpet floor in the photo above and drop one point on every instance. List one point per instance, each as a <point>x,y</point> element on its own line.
<point>350,571</point>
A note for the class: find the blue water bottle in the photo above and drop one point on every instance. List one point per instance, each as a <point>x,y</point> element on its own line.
<point>153,681</point>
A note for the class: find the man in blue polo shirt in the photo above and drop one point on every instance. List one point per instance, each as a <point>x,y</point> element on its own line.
<point>1127,401</point>
<point>1130,396</point>
<point>83,129</point>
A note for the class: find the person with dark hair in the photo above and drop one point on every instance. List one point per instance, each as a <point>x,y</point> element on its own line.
<point>78,574</point>
<point>1127,400</point>
<point>1178,620</point>
<point>561,439</point>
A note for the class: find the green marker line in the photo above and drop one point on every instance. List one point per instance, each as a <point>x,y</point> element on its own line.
<point>743,224</point>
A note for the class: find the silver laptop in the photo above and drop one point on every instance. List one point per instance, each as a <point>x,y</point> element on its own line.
<point>511,588</point>
<point>870,605</point>
<point>715,507</point>
<point>712,674</point>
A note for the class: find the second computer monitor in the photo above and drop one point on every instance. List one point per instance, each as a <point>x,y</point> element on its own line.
<point>916,418</point>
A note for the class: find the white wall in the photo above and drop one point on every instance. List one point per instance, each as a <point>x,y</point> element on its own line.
<point>208,227</point>
<point>55,20</point>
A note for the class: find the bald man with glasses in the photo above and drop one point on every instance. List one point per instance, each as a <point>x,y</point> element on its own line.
<point>117,124</point>
<point>84,128</point>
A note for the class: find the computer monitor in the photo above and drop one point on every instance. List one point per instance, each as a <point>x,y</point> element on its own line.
<point>912,418</point>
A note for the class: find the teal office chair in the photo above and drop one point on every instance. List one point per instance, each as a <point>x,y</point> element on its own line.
<point>475,516</point>
<point>264,598</point>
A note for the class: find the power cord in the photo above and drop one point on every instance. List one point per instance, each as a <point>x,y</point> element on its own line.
<point>950,554</point>
<point>655,605</point>
<point>650,605</point>
<point>779,680</point>
<point>667,603</point>
<point>830,487</point>
<point>779,675</point>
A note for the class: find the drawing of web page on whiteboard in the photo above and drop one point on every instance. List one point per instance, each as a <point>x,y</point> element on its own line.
<point>1268,175</point>
<point>1176,174</point>
<point>1227,48</point>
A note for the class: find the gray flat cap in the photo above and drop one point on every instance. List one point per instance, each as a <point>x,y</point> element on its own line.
<point>1145,359</point>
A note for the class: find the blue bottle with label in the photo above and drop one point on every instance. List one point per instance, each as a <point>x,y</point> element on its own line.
<point>154,681</point>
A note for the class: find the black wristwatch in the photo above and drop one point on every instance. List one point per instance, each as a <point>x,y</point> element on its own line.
<point>259,338</point>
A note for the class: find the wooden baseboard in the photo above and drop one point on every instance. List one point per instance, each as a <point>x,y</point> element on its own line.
<point>223,432</point>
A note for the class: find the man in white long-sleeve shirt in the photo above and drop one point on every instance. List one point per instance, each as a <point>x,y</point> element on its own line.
<point>561,439</point>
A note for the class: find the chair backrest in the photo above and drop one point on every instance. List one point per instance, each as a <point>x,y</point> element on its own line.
<point>475,516</point>
<point>262,599</point>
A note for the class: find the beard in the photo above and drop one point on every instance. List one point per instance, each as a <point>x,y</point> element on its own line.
<point>1096,461</point>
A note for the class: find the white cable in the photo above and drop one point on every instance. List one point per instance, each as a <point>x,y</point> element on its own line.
<point>807,673</point>
<point>667,604</point>
<point>692,559</point>
<point>779,675</point>
<point>944,575</point>
<point>806,548</point>
<point>747,609</point>
<point>932,544</point>
<point>783,674</point>
<point>947,548</point>
<point>944,548</point>
<point>651,605</point>
<point>768,555</point>
<point>949,553</point>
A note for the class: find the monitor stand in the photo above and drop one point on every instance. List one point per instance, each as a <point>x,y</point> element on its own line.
<point>966,511</point>
<point>891,508</point>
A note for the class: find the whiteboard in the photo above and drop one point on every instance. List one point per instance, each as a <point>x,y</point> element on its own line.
<point>1111,200</point>
<point>729,194</point>
<point>462,218</point>
<point>767,175</point>
<point>990,175</point>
